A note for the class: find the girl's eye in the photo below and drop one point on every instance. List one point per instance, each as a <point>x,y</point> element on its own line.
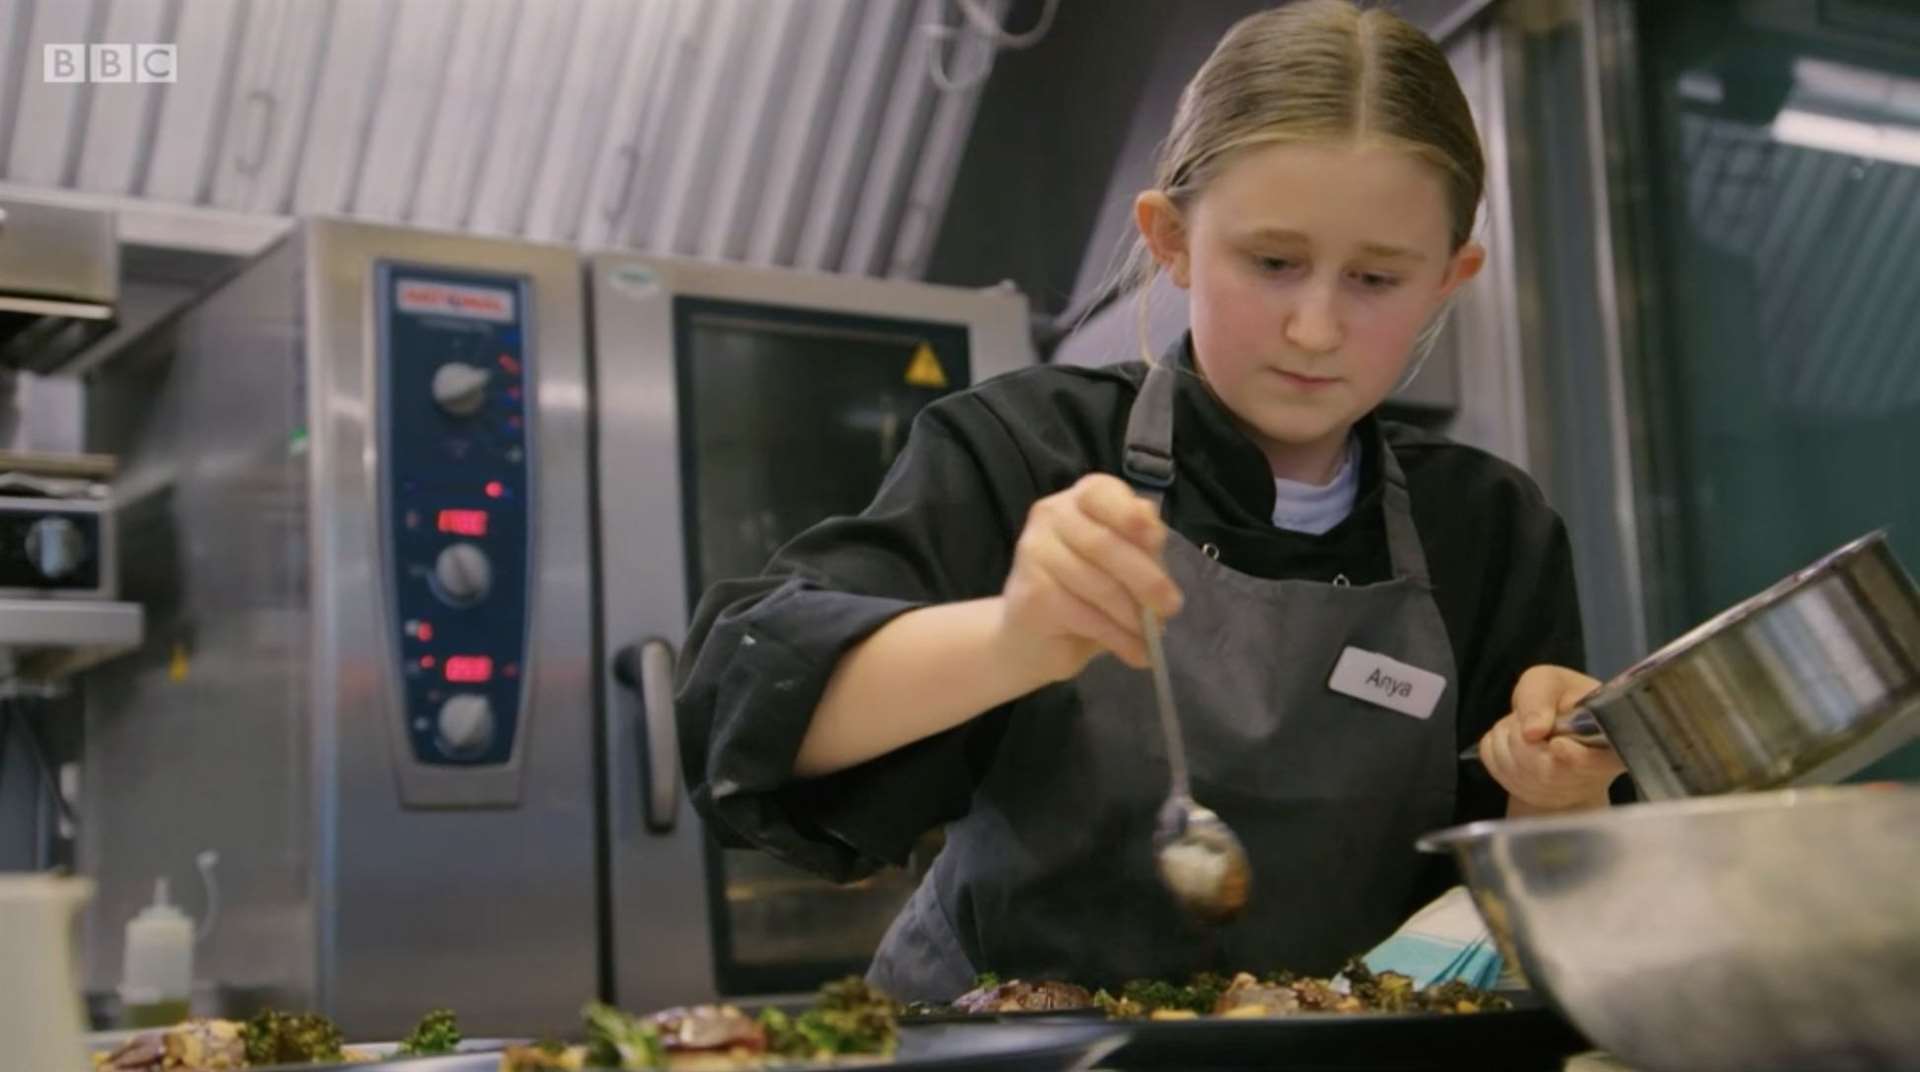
<point>1376,281</point>
<point>1272,264</point>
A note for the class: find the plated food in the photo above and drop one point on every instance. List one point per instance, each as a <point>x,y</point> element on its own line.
<point>271,1038</point>
<point>849,1022</point>
<point>1357,989</point>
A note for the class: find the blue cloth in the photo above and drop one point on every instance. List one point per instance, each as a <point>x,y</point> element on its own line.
<point>1444,941</point>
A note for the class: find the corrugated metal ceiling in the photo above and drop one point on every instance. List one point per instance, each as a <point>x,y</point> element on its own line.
<point>785,132</point>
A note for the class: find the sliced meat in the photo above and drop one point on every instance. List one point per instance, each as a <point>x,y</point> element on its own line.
<point>1017,995</point>
<point>1249,997</point>
<point>1318,995</point>
<point>147,1053</point>
<point>210,1045</point>
<point>194,1046</point>
<point>709,1028</point>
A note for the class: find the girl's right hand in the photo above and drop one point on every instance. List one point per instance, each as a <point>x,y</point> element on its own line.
<point>1088,559</point>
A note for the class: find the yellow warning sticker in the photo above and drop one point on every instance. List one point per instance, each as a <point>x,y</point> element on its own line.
<point>925,370</point>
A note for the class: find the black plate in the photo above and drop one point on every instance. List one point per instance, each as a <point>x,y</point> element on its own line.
<point>1533,1039</point>
<point>955,1016</point>
<point>1063,1046</point>
<point>100,1042</point>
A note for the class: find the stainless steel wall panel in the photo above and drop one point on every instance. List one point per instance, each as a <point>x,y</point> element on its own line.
<point>349,88</point>
<point>740,172</point>
<point>460,130</point>
<point>416,69</point>
<point>580,118</point>
<point>636,94</point>
<point>811,101</point>
<point>46,131</point>
<point>883,34</point>
<point>120,121</point>
<point>522,125</point>
<point>189,131</point>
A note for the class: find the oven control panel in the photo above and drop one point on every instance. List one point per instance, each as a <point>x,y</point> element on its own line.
<point>456,366</point>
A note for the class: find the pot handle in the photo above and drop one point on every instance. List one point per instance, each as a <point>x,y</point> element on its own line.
<point>1581,724</point>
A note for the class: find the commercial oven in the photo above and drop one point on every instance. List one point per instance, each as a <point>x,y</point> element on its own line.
<point>355,505</point>
<point>419,520</point>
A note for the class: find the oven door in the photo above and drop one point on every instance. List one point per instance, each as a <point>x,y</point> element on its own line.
<point>736,408</point>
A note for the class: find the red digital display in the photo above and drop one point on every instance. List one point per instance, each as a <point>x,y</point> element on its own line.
<point>464,522</point>
<point>469,669</point>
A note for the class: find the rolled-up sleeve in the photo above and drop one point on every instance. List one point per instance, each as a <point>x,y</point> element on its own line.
<point>761,650</point>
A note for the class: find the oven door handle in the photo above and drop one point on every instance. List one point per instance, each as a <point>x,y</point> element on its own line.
<point>646,670</point>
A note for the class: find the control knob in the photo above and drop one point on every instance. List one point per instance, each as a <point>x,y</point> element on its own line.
<point>56,547</point>
<point>463,574</point>
<point>465,725</point>
<point>460,388</point>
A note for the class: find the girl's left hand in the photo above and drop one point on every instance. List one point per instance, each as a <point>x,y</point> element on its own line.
<point>1542,773</point>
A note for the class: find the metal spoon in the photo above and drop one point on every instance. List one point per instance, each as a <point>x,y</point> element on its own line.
<point>1199,858</point>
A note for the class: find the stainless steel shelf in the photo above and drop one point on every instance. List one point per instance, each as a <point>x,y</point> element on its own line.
<point>52,638</point>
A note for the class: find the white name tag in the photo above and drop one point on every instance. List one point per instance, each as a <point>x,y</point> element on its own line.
<point>1388,683</point>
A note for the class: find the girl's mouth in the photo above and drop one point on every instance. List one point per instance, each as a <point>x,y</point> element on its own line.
<point>1306,383</point>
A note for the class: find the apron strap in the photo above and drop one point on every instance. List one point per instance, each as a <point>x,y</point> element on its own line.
<point>1147,460</point>
<point>1396,506</point>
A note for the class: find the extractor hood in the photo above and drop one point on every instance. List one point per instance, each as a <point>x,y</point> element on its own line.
<point>59,281</point>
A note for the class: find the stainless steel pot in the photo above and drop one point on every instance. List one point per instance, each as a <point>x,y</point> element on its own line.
<point>1804,684</point>
<point>1755,931</point>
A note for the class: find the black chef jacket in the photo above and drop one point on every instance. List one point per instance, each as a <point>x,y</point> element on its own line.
<point>942,528</point>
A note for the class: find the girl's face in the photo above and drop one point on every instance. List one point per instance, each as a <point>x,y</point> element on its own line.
<point>1311,269</point>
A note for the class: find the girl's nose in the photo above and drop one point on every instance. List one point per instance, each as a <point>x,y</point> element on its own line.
<point>1313,325</point>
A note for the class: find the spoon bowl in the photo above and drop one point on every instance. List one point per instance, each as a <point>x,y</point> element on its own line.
<point>1202,862</point>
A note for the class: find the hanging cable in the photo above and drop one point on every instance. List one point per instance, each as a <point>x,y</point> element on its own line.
<point>37,748</point>
<point>984,23</point>
<point>6,733</point>
<point>980,23</point>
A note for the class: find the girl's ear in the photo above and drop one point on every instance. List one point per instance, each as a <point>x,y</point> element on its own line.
<point>1465,265</point>
<point>1165,233</point>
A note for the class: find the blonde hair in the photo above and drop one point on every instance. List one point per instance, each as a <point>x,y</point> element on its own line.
<point>1317,71</point>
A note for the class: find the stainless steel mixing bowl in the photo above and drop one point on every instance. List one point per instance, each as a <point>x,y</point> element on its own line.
<point>1757,932</point>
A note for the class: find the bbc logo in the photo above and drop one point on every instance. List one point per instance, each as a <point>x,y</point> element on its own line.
<point>109,63</point>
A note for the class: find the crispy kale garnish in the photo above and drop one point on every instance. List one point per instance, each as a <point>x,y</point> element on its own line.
<point>1457,996</point>
<point>617,1040</point>
<point>1370,992</point>
<point>1393,992</point>
<point>547,1055</point>
<point>783,1037</point>
<point>437,1032</point>
<point>1144,997</point>
<point>849,1017</point>
<point>276,1038</point>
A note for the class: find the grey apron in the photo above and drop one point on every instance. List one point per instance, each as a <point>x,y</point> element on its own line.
<point>1050,875</point>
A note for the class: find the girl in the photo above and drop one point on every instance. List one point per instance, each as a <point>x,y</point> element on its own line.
<point>1351,601</point>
